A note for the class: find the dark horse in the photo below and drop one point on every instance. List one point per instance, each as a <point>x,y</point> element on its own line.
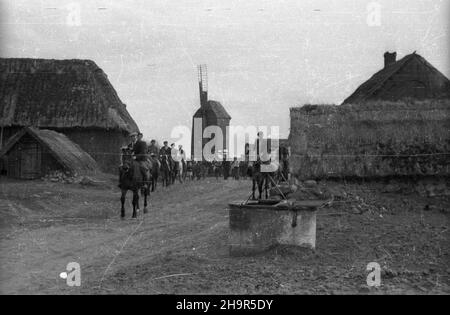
<point>131,178</point>
<point>165,170</point>
<point>156,166</point>
<point>260,178</point>
<point>176,171</point>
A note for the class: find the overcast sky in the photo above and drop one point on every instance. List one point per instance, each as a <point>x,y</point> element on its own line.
<point>263,56</point>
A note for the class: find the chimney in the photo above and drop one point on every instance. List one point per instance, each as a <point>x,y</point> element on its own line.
<point>389,58</point>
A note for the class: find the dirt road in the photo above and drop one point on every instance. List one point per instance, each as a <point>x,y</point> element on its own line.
<point>180,246</point>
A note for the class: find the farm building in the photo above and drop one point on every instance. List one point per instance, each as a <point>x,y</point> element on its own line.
<point>73,97</point>
<point>33,153</point>
<point>371,140</point>
<point>410,77</point>
<point>394,124</point>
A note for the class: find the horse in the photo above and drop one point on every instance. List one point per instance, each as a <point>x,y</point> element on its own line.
<point>131,178</point>
<point>176,171</point>
<point>262,175</point>
<point>156,166</point>
<point>217,170</point>
<point>188,174</point>
<point>243,166</point>
<point>197,170</point>
<point>165,170</point>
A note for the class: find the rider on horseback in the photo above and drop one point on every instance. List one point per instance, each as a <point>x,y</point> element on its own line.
<point>165,155</point>
<point>153,149</point>
<point>165,150</point>
<point>140,155</point>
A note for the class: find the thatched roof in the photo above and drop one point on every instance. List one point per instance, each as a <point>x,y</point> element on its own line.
<point>59,94</point>
<point>376,83</point>
<point>216,108</point>
<point>67,153</point>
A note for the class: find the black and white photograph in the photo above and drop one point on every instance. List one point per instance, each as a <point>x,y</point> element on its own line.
<point>227,154</point>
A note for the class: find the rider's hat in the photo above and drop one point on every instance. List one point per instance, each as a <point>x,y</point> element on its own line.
<point>133,134</point>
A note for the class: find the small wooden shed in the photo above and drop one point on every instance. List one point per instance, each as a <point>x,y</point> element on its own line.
<point>32,153</point>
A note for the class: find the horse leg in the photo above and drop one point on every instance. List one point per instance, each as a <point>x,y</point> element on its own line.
<point>154,180</point>
<point>146,193</point>
<point>253,188</point>
<point>135,203</point>
<point>260,185</point>
<point>122,201</point>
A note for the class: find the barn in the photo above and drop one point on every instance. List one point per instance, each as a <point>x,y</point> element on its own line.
<point>410,77</point>
<point>72,97</point>
<point>33,153</point>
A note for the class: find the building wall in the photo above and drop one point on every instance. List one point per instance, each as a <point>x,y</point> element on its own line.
<point>46,162</point>
<point>103,145</point>
<point>370,140</point>
<point>211,120</point>
<point>223,123</point>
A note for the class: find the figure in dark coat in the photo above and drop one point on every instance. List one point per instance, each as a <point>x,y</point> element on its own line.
<point>140,155</point>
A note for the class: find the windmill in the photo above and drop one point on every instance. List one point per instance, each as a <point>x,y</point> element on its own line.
<point>211,112</point>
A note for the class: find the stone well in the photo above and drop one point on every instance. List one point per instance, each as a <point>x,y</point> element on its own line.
<point>258,226</point>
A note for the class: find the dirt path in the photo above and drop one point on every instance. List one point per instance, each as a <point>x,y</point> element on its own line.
<point>34,253</point>
<point>181,245</point>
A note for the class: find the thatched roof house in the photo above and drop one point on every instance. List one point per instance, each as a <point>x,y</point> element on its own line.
<point>33,153</point>
<point>410,77</point>
<point>74,97</point>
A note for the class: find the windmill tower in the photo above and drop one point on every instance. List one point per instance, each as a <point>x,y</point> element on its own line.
<point>203,84</point>
<point>212,113</point>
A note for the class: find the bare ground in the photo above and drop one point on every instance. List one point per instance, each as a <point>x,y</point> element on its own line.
<point>181,245</point>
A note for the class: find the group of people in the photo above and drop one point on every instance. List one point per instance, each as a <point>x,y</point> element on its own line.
<point>151,156</point>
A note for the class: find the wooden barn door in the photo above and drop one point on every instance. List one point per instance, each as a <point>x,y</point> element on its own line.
<point>13,164</point>
<point>30,161</point>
